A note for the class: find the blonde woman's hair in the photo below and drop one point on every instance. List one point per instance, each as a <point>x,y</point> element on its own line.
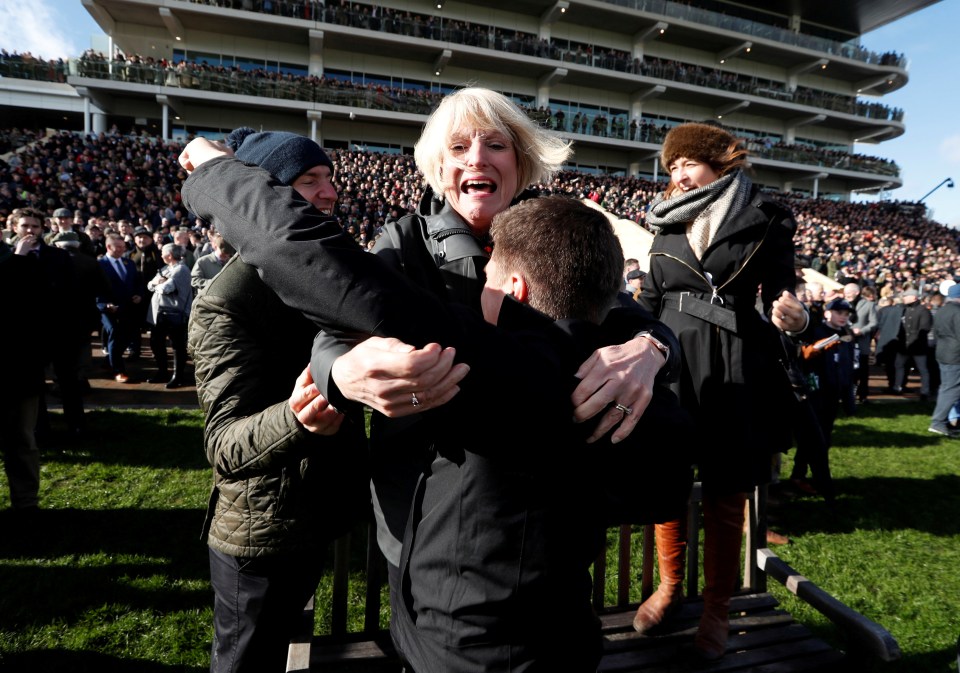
<point>540,153</point>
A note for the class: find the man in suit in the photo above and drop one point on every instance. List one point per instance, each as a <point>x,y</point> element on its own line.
<point>119,314</point>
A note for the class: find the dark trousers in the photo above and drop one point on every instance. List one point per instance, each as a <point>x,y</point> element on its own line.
<point>813,438</point>
<point>21,457</point>
<point>947,395</point>
<point>258,604</point>
<point>116,333</point>
<point>862,375</point>
<point>66,369</point>
<point>158,344</point>
<point>140,321</point>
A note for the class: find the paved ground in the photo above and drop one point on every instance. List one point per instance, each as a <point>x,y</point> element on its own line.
<point>105,392</point>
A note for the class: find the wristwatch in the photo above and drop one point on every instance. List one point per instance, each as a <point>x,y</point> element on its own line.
<point>660,346</point>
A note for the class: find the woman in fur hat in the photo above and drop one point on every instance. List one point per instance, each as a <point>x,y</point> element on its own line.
<point>719,241</point>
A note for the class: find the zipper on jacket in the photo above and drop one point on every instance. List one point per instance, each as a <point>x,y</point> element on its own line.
<point>715,290</point>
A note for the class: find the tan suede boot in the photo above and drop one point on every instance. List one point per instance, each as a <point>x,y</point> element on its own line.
<point>671,541</point>
<point>722,539</point>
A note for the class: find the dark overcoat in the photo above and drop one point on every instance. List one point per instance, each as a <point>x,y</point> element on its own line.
<point>732,381</point>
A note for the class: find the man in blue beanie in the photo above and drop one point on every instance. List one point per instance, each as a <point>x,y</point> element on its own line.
<point>289,470</point>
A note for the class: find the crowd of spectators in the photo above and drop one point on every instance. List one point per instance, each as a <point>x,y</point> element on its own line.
<point>376,17</point>
<point>234,79</point>
<point>377,96</point>
<point>128,185</point>
<point>112,177</point>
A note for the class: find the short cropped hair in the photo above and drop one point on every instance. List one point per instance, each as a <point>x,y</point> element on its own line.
<point>174,250</point>
<point>567,252</point>
<point>540,153</point>
<point>28,211</point>
<point>218,242</point>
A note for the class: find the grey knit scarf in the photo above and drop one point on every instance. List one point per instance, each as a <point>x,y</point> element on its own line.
<point>703,210</point>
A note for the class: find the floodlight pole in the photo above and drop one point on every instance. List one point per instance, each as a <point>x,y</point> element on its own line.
<point>948,182</point>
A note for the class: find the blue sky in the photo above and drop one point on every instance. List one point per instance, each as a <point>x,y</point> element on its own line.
<point>927,153</point>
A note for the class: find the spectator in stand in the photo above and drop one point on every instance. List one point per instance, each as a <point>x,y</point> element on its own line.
<point>125,229</point>
<point>97,241</point>
<point>22,382</point>
<point>63,221</point>
<point>119,314</point>
<point>208,266</point>
<point>946,327</point>
<point>885,244</point>
<point>912,343</point>
<point>169,312</point>
<point>181,237</point>
<point>198,242</point>
<point>208,234</point>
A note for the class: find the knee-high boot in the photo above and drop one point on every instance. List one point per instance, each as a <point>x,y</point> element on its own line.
<point>671,541</point>
<point>723,537</point>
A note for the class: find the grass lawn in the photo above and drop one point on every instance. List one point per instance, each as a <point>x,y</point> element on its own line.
<point>112,575</point>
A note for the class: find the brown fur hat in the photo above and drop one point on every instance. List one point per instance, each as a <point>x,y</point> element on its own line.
<point>695,140</point>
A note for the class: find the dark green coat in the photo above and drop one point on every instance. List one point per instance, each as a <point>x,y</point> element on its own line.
<point>276,487</point>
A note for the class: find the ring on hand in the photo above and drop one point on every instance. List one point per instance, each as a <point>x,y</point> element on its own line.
<point>626,410</point>
<point>413,400</point>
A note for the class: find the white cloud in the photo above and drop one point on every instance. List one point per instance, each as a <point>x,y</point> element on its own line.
<point>35,26</point>
<point>950,149</point>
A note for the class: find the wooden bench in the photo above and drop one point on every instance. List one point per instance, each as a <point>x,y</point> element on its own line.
<point>763,637</point>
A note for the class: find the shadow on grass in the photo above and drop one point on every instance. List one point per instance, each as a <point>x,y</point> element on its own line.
<point>879,504</point>
<point>164,438</point>
<point>61,563</point>
<point>82,661</point>
<point>939,660</point>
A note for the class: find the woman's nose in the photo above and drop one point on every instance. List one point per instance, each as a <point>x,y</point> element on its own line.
<point>477,155</point>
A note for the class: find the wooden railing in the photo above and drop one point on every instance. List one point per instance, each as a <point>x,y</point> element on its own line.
<point>763,637</point>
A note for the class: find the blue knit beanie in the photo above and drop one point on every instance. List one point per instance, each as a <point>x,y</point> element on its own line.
<point>286,156</point>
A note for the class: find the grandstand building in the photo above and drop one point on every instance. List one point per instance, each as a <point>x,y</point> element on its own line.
<point>791,76</point>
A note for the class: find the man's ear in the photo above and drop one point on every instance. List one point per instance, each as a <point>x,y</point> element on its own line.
<point>519,288</point>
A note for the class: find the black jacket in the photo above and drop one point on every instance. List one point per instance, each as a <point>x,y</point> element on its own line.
<point>511,512</point>
<point>27,345</point>
<point>914,327</point>
<point>732,381</point>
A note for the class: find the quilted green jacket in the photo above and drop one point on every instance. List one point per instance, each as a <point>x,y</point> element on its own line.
<point>277,488</point>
